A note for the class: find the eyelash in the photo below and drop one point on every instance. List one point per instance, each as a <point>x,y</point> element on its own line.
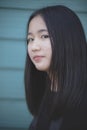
<point>44,36</point>
<point>32,39</point>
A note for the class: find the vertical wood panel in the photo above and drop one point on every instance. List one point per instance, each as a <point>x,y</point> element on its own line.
<point>13,22</point>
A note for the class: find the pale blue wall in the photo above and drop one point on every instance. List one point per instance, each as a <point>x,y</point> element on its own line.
<point>14,15</point>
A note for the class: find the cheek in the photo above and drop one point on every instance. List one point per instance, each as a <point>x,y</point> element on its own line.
<point>49,51</point>
<point>50,55</point>
<point>29,51</point>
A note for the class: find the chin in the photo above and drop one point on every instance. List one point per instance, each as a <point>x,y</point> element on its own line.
<point>41,69</point>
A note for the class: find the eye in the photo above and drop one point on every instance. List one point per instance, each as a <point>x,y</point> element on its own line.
<point>29,40</point>
<point>44,36</point>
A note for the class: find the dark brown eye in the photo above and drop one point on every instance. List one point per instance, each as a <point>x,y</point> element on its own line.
<point>44,36</point>
<point>29,40</point>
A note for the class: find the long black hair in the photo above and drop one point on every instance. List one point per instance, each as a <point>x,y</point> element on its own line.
<point>68,70</point>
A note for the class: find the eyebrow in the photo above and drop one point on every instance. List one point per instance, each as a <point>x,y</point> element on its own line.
<point>39,31</point>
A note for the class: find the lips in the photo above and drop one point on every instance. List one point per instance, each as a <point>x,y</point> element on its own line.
<point>37,58</point>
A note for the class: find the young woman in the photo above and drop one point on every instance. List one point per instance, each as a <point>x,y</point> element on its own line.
<point>56,70</point>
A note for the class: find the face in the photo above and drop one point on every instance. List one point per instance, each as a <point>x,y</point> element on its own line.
<point>39,45</point>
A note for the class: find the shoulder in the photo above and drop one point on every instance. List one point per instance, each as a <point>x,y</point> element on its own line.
<point>54,124</point>
<point>33,123</point>
<point>75,120</point>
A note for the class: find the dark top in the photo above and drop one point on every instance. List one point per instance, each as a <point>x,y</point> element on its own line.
<point>76,120</point>
<point>54,125</point>
<point>72,118</point>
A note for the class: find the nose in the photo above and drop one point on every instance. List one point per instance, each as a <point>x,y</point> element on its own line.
<point>36,45</point>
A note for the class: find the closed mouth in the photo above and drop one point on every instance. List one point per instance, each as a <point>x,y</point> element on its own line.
<point>37,58</point>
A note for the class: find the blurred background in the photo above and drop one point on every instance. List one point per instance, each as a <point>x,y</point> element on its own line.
<point>14,15</point>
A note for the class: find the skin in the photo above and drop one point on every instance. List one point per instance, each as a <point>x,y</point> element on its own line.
<point>39,45</point>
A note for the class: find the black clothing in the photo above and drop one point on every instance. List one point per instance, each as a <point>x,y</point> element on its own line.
<point>72,120</point>
<point>54,125</point>
<point>62,119</point>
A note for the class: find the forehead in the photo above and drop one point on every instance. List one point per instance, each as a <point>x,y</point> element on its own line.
<point>36,23</point>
